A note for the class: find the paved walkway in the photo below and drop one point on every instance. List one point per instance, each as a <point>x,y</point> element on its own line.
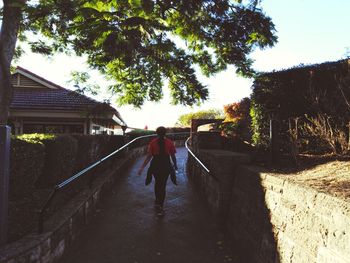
<point>127,230</point>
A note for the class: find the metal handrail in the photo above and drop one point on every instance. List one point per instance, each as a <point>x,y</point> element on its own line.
<point>61,185</point>
<point>194,156</point>
<point>199,161</point>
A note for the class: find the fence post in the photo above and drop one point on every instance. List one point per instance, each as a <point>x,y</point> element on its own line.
<point>5,135</point>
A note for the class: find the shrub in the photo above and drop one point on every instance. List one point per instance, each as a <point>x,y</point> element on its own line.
<point>115,142</point>
<point>137,133</point>
<point>26,164</point>
<point>60,156</point>
<point>176,137</point>
<point>91,148</point>
<point>36,137</point>
<point>185,120</point>
<point>259,126</point>
<point>177,129</point>
<point>326,135</point>
<point>106,144</point>
<point>294,93</point>
<point>84,157</point>
<point>238,121</point>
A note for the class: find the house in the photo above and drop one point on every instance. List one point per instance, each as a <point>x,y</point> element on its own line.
<point>40,106</point>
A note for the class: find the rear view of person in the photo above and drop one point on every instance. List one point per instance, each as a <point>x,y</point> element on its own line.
<point>160,150</point>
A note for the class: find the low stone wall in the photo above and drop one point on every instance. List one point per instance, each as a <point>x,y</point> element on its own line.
<point>271,219</point>
<point>309,226</point>
<point>64,226</point>
<point>249,221</point>
<point>217,184</point>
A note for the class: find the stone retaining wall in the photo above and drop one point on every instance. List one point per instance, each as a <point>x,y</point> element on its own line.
<point>269,218</point>
<point>217,184</point>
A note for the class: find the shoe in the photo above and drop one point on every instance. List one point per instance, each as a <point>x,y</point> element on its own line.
<point>160,212</point>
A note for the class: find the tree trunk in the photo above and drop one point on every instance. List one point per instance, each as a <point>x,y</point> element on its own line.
<point>8,37</point>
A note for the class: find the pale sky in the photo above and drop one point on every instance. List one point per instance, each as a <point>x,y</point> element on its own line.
<point>309,31</point>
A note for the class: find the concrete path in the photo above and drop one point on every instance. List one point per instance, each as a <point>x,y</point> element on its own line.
<point>127,230</point>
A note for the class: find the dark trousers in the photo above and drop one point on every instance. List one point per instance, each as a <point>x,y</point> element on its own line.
<point>159,187</point>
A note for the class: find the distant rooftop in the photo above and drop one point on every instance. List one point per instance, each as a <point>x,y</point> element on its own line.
<point>33,92</point>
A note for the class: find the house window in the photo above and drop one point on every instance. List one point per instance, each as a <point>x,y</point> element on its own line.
<point>33,128</point>
<point>53,128</point>
<point>75,129</point>
<point>96,129</point>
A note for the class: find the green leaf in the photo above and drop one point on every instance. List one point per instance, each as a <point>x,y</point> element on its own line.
<point>132,41</point>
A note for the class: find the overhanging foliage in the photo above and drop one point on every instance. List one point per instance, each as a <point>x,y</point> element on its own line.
<point>301,91</point>
<point>135,42</point>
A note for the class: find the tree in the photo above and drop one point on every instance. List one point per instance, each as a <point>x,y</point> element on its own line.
<point>135,42</point>
<point>185,119</point>
<point>11,17</point>
<point>238,110</point>
<point>238,121</point>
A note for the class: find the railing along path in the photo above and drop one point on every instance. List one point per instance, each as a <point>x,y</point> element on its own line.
<point>71,179</point>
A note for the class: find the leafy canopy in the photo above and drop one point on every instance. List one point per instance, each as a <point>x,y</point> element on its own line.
<point>237,111</point>
<point>137,43</point>
<point>186,119</point>
<point>237,123</point>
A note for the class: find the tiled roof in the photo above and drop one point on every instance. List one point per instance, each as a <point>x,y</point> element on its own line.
<point>61,99</point>
<point>55,97</point>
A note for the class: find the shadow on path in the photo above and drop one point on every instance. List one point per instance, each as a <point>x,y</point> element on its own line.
<point>126,229</point>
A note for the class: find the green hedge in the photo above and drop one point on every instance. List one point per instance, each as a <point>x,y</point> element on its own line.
<point>60,156</point>
<point>260,126</point>
<point>91,148</point>
<point>178,130</point>
<point>137,133</point>
<point>27,162</point>
<point>85,144</point>
<point>45,159</point>
<point>299,92</point>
